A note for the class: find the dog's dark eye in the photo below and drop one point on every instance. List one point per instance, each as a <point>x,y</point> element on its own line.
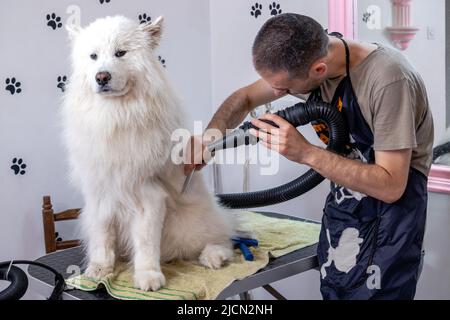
<point>94,56</point>
<point>120,53</point>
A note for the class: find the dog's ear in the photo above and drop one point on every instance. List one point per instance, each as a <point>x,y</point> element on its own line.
<point>73,30</point>
<point>155,30</point>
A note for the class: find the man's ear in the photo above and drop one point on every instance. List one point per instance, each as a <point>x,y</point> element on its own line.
<point>154,30</point>
<point>73,30</point>
<point>319,69</point>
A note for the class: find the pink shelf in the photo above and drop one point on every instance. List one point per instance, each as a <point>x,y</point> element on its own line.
<point>401,32</point>
<point>402,36</point>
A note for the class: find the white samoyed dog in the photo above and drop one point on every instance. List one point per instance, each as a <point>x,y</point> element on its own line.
<point>118,115</point>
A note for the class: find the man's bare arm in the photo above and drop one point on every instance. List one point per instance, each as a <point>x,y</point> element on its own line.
<point>236,107</point>
<point>229,115</point>
<point>385,180</point>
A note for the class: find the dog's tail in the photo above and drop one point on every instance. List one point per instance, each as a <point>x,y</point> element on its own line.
<point>235,219</point>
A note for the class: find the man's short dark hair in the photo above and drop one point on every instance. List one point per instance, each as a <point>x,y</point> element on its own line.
<point>290,42</point>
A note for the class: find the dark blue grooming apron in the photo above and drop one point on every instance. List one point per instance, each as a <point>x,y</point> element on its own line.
<point>368,249</point>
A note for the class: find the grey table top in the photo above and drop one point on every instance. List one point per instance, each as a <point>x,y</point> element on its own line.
<point>280,268</point>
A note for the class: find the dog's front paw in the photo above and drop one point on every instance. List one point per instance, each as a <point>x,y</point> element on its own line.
<point>149,280</point>
<point>98,271</point>
<point>214,256</point>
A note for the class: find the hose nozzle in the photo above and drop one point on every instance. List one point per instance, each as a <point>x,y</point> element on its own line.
<point>236,138</point>
<point>242,135</point>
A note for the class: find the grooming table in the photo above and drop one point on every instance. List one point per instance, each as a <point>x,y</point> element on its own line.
<point>42,281</point>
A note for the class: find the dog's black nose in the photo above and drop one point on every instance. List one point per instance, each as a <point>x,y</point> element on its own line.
<point>103,78</point>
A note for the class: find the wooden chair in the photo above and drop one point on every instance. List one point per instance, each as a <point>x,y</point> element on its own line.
<point>49,219</point>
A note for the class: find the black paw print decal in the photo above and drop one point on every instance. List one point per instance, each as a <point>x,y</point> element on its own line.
<point>163,61</point>
<point>275,9</point>
<point>366,16</point>
<point>54,21</point>
<point>256,10</point>
<point>104,1</point>
<point>18,166</point>
<point>144,18</point>
<point>13,86</point>
<point>62,80</point>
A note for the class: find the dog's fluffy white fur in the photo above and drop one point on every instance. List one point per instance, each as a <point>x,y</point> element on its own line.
<point>118,138</point>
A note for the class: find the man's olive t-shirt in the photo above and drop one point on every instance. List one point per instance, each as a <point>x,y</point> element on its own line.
<point>394,103</point>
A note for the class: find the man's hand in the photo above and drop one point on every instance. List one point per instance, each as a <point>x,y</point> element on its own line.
<point>286,140</point>
<point>194,155</point>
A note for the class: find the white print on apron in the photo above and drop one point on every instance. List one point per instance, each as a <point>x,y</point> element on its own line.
<point>344,255</point>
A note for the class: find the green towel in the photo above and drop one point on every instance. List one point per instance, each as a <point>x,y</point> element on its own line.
<point>188,280</point>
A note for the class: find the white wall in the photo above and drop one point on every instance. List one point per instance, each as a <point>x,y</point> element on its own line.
<point>447,45</point>
<point>434,283</point>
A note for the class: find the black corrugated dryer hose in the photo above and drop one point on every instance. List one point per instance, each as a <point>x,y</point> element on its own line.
<point>298,115</point>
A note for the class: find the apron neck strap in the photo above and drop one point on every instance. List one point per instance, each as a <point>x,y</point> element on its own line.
<point>347,56</point>
<point>347,50</point>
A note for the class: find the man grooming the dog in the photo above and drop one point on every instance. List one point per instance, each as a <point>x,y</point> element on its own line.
<point>374,217</point>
